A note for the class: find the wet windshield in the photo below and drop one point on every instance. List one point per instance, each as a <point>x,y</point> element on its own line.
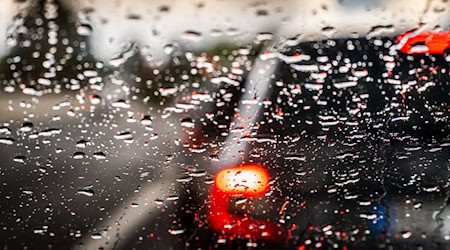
<point>225,124</point>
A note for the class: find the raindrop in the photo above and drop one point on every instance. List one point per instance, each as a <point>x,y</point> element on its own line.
<point>26,127</point>
<point>6,141</point>
<point>96,236</point>
<point>99,155</point>
<point>19,159</point>
<point>84,29</point>
<point>187,123</point>
<point>78,155</point>
<point>85,192</point>
<point>177,231</point>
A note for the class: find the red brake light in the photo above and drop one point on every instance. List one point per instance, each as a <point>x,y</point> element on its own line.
<point>431,42</point>
<point>247,180</point>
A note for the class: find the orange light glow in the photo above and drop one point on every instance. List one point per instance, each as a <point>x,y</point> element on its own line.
<point>247,180</point>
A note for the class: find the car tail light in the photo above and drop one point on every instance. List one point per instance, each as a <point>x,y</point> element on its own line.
<point>424,42</point>
<point>242,181</point>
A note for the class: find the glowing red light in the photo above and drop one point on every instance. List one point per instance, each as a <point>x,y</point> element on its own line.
<point>425,42</point>
<point>247,180</point>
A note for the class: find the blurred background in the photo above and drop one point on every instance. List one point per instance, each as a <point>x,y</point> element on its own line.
<point>116,115</point>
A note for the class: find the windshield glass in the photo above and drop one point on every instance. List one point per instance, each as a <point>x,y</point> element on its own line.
<point>225,124</point>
